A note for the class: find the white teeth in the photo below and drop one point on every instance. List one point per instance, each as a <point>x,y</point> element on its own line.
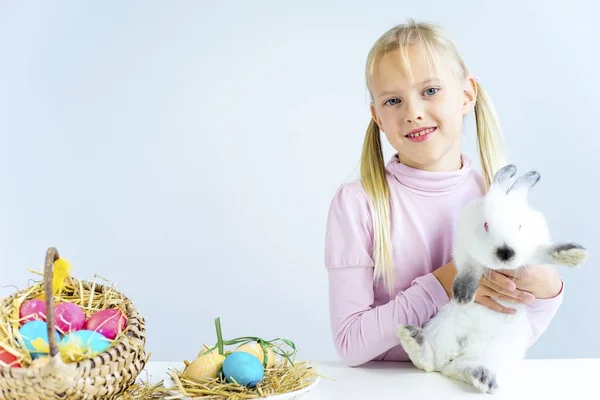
<point>425,132</point>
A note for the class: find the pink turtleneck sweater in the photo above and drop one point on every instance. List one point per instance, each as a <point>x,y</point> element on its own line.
<point>424,207</point>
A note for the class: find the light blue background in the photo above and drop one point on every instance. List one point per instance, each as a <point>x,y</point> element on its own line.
<point>200,142</point>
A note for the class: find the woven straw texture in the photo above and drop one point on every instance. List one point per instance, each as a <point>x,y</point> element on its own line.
<point>105,376</point>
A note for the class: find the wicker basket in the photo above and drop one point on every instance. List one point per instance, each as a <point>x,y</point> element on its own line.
<point>105,376</point>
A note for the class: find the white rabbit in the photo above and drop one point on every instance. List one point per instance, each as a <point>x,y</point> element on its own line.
<point>466,340</point>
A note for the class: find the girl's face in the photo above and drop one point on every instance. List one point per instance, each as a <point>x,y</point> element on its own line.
<point>422,116</point>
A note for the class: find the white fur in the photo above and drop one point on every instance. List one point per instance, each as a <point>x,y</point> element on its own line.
<point>468,341</point>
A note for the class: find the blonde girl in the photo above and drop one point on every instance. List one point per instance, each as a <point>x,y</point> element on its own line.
<point>389,234</point>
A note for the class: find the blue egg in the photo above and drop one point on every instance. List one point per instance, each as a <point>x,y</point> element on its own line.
<point>33,330</point>
<point>244,368</point>
<point>86,339</point>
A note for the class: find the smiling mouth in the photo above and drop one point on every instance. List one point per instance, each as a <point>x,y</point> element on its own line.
<point>419,132</point>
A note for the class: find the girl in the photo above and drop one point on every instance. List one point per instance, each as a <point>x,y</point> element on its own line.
<point>389,235</point>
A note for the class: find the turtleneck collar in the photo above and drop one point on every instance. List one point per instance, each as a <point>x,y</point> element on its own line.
<point>428,182</point>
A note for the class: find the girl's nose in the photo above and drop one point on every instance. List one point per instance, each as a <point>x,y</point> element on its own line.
<point>414,112</point>
<point>413,118</point>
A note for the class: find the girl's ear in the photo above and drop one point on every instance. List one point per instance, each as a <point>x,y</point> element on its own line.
<point>375,116</point>
<point>469,95</point>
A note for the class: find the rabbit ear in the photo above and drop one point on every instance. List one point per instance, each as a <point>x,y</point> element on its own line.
<point>525,182</point>
<point>503,176</point>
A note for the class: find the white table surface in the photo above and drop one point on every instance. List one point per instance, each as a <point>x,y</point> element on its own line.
<point>566,379</point>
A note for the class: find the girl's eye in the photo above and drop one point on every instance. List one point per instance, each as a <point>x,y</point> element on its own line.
<point>431,91</point>
<point>485,226</point>
<point>392,102</point>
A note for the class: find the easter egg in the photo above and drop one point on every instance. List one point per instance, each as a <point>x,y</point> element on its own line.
<point>8,359</point>
<point>256,350</point>
<point>206,366</point>
<point>32,310</point>
<point>35,337</point>
<point>244,368</point>
<point>205,349</point>
<point>108,322</point>
<point>68,317</point>
<point>82,344</point>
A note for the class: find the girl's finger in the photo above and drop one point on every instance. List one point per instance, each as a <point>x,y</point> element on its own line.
<point>498,292</point>
<point>494,287</point>
<point>494,305</point>
<point>501,280</point>
<point>517,275</point>
<point>523,297</point>
<point>490,292</point>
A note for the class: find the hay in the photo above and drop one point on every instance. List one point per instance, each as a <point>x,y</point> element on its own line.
<point>89,299</point>
<point>285,376</point>
<point>282,378</point>
<point>144,390</point>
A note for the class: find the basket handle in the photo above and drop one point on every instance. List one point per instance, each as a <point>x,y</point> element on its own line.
<point>51,257</point>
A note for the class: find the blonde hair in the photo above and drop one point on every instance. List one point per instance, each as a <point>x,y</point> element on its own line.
<point>432,39</point>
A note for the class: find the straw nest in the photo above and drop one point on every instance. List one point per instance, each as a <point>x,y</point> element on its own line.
<point>282,373</point>
<point>69,374</point>
<point>89,296</point>
<point>283,378</point>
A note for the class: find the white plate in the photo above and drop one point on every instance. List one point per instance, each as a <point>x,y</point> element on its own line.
<point>168,383</point>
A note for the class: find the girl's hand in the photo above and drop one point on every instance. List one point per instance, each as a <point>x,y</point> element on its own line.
<point>542,281</point>
<point>497,286</point>
<point>492,286</point>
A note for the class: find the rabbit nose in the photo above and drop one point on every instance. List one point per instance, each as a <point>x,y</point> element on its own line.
<point>505,253</point>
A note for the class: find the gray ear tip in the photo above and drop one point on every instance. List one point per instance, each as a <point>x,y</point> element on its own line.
<point>525,181</point>
<point>510,168</point>
<point>505,173</point>
<point>534,176</point>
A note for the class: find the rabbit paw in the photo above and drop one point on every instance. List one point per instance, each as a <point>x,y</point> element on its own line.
<point>484,380</point>
<point>570,254</point>
<point>464,288</point>
<point>412,339</point>
<point>411,333</point>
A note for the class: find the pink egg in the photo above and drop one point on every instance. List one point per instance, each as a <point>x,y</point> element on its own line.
<point>68,317</point>
<point>32,310</point>
<point>107,322</point>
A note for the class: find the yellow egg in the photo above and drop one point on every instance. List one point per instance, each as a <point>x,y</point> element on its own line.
<point>256,350</point>
<point>205,366</point>
<point>205,350</point>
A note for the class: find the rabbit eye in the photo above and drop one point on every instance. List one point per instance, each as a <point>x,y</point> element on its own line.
<point>485,226</point>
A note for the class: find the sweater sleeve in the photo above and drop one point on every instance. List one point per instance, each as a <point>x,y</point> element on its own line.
<point>541,312</point>
<point>362,331</point>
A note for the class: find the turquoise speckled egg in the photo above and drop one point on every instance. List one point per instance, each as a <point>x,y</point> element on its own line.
<point>244,368</point>
<point>32,331</point>
<point>86,339</point>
